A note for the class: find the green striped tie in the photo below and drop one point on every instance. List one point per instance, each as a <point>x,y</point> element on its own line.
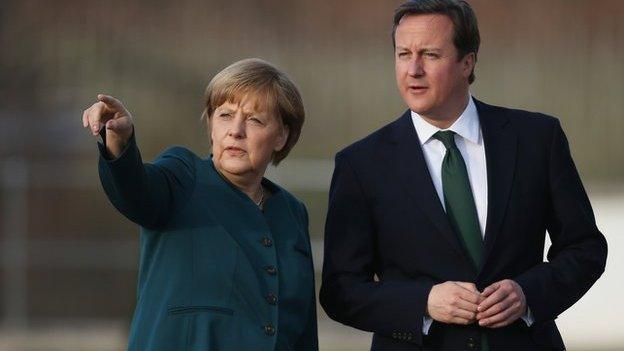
<point>459,203</point>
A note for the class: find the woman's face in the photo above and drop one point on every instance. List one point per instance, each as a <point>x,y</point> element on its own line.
<point>243,139</point>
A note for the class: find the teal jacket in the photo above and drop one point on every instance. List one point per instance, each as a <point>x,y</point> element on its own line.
<point>216,273</point>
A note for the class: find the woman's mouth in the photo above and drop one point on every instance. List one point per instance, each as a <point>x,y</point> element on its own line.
<point>234,151</point>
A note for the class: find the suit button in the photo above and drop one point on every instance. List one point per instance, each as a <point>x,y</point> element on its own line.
<point>472,343</point>
<point>271,299</point>
<point>271,270</point>
<point>269,329</point>
<point>394,335</point>
<point>266,241</point>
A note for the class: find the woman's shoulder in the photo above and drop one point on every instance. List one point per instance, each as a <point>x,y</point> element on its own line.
<point>180,161</point>
<point>297,206</point>
<point>179,152</point>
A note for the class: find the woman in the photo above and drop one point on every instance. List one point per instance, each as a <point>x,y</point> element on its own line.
<point>225,253</point>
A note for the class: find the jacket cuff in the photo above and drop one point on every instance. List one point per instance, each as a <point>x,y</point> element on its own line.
<point>130,151</point>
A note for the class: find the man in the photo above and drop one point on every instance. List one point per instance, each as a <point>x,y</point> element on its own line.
<point>435,231</point>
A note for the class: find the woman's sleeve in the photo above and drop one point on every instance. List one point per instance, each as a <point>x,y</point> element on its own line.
<point>147,193</point>
<point>309,339</point>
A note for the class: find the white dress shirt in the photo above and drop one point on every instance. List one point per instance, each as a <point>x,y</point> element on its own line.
<point>469,141</point>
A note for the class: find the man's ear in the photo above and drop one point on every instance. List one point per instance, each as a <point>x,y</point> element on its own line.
<point>468,62</point>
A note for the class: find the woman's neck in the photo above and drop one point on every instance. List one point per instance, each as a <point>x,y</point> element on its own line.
<point>249,185</point>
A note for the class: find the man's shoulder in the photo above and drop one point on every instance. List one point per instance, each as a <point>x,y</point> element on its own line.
<point>371,143</point>
<point>520,118</point>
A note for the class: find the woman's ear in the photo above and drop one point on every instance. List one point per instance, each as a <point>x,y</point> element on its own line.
<point>208,121</point>
<point>282,138</point>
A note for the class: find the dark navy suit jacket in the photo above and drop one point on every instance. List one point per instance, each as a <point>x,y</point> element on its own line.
<point>388,240</point>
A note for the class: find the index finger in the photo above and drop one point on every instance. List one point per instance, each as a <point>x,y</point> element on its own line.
<point>490,289</point>
<point>496,297</point>
<point>469,286</point>
<point>469,295</point>
<point>111,102</point>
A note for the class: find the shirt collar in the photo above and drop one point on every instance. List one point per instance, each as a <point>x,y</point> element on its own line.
<point>467,125</point>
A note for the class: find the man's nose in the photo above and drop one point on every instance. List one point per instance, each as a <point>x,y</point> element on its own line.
<point>416,68</point>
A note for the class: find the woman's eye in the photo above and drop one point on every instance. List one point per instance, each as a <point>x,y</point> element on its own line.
<point>255,120</point>
<point>224,115</point>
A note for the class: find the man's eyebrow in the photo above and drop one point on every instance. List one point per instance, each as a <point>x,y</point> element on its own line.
<point>425,49</point>
<point>430,49</point>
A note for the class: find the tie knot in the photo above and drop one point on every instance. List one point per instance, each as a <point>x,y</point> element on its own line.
<point>447,138</point>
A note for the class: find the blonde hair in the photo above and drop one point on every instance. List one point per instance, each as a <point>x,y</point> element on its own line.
<point>274,92</point>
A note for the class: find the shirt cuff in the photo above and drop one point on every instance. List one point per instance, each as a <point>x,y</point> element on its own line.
<point>427,321</point>
<point>528,317</point>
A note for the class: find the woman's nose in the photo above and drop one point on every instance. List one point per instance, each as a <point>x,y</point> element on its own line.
<point>237,128</point>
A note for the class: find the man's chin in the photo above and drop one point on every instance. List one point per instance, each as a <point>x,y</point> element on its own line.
<point>420,108</point>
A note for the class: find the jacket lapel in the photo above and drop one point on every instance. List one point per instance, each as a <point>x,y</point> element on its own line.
<point>409,162</point>
<point>240,218</point>
<point>500,152</point>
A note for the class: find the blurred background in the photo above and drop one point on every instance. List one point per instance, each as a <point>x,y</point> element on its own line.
<point>68,260</point>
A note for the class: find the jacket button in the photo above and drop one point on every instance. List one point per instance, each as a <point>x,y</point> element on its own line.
<point>394,335</point>
<point>271,270</point>
<point>266,241</point>
<point>472,343</point>
<point>269,329</point>
<point>271,299</point>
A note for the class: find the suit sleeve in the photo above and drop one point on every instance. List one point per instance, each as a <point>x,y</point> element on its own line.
<point>349,292</point>
<point>578,253</point>
<point>146,193</point>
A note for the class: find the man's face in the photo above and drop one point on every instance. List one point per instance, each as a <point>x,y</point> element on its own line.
<point>432,81</point>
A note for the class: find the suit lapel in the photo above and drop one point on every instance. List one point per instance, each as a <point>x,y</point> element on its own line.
<point>500,152</point>
<point>409,162</point>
